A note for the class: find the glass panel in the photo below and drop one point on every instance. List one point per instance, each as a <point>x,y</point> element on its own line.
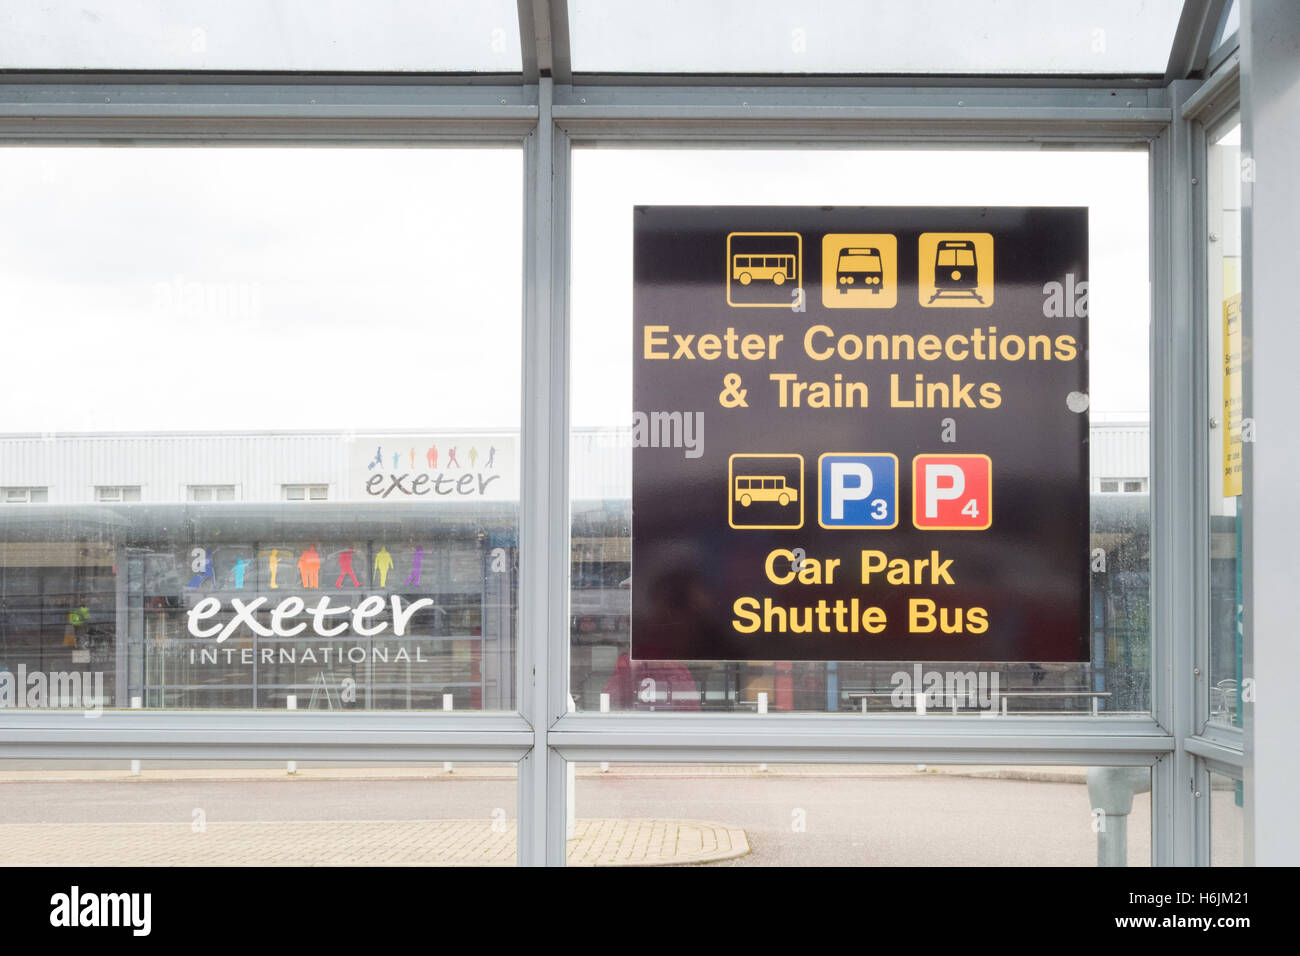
<point>311,35</point>
<point>1225,393</point>
<point>192,813</point>
<point>257,317</point>
<point>1227,821</point>
<point>858,815</point>
<point>872,36</point>
<point>609,182</point>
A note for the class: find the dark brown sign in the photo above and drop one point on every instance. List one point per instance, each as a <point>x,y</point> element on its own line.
<point>861,434</point>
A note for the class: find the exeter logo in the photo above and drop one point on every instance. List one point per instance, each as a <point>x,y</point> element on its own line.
<point>441,471</point>
<point>74,909</point>
<point>368,618</point>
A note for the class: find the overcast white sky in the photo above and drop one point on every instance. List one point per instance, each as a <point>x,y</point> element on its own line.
<point>183,288</point>
<point>236,288</point>
<point>423,35</point>
<point>724,36</point>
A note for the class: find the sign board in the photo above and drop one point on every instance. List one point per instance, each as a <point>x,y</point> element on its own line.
<point>1232,396</point>
<point>860,434</point>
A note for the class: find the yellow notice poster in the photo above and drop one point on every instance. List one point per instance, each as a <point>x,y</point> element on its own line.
<point>1232,396</point>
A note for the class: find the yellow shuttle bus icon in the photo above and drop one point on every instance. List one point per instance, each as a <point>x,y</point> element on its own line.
<point>774,268</point>
<point>764,491</point>
<point>751,488</point>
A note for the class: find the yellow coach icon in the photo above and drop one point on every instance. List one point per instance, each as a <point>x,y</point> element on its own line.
<point>859,270</point>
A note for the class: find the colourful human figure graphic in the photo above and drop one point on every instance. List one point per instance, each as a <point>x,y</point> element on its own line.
<point>431,456</point>
<point>451,458</point>
<point>378,459</point>
<point>273,563</point>
<point>412,457</point>
<point>473,456</point>
<point>238,570</point>
<point>345,569</point>
<point>417,562</point>
<point>492,457</point>
<point>309,567</point>
<point>205,572</point>
<point>383,564</point>
<point>397,456</point>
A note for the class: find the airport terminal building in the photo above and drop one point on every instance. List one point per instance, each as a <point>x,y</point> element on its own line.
<point>111,542</point>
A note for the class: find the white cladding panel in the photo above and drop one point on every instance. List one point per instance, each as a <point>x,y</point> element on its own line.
<point>259,464</point>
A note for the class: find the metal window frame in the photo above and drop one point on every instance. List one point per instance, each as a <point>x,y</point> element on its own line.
<point>545,114</point>
<point>1211,747</point>
<point>980,117</point>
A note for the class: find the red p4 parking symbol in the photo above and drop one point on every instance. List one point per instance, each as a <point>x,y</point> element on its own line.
<point>952,492</point>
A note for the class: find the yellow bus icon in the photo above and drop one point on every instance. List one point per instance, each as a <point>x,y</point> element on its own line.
<point>776,268</point>
<point>751,488</point>
<point>859,270</point>
<point>765,491</point>
<point>763,270</point>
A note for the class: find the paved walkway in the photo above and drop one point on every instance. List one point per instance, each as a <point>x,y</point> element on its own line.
<point>643,842</point>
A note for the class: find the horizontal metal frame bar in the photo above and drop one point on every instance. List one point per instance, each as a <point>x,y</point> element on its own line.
<point>1224,744</point>
<point>1010,81</point>
<point>264,735</point>
<point>859,81</point>
<point>263,99</point>
<point>265,113</point>
<point>1223,85</point>
<point>356,113</point>
<point>827,738</point>
<point>313,133</point>
<point>955,116</point>
<point>259,78</point>
<point>664,101</point>
<point>1032,751</point>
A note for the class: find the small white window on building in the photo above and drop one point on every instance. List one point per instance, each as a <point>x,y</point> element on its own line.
<point>25,496</point>
<point>211,492</point>
<point>306,492</point>
<point>1122,486</point>
<point>116,493</point>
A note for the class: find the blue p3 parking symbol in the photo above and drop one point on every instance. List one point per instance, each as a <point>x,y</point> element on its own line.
<point>857,491</point>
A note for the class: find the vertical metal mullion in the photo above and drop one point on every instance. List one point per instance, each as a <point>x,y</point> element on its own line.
<point>1173,499</point>
<point>1200,321</point>
<point>1162,775</point>
<point>559,544</point>
<point>543,533</point>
